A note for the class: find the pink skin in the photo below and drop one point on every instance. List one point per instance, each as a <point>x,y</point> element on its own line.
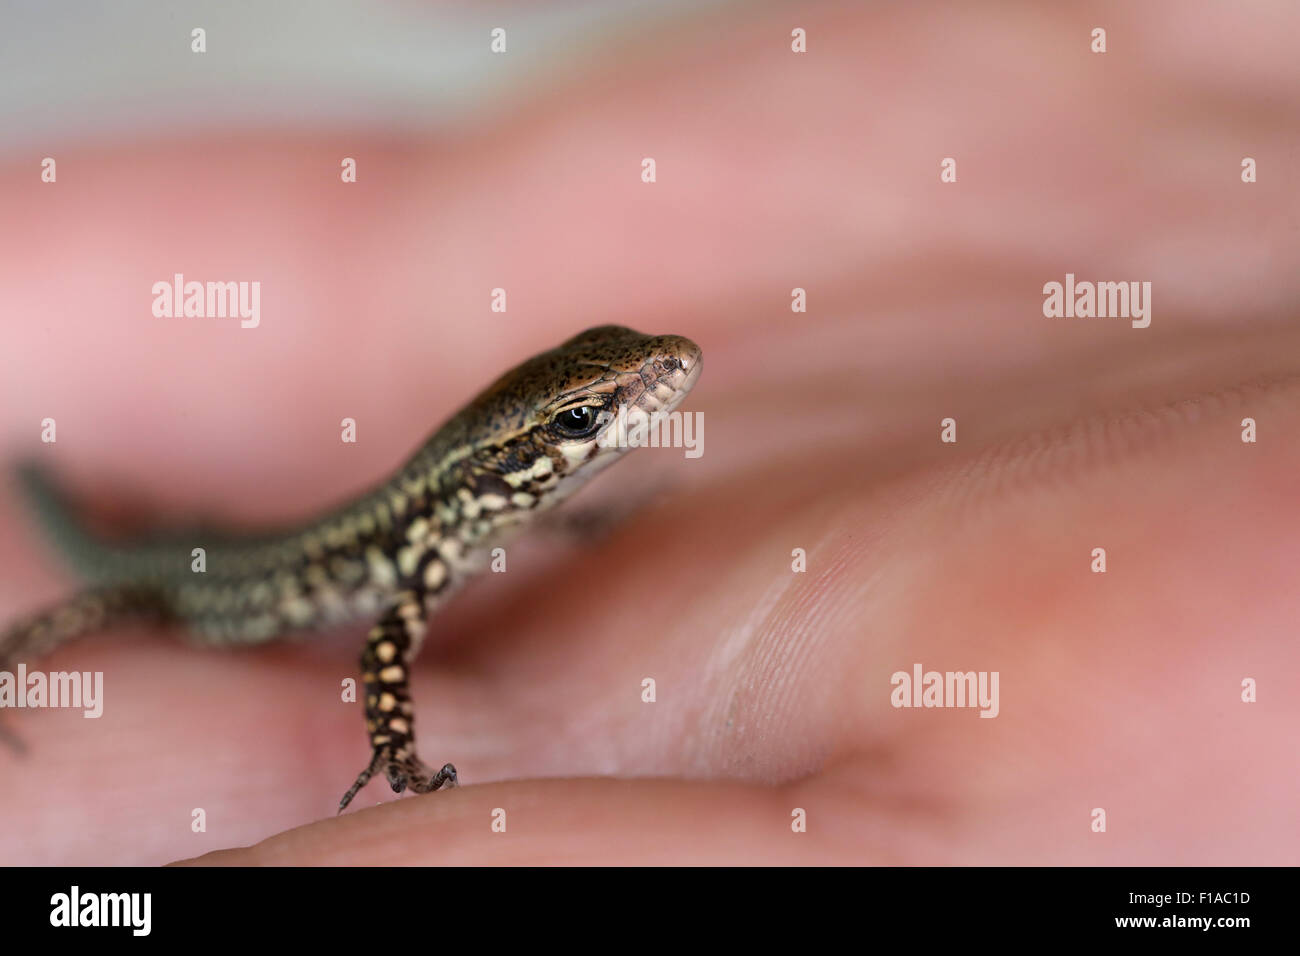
<point>1119,691</point>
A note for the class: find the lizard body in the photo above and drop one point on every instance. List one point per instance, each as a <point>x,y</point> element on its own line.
<point>394,554</point>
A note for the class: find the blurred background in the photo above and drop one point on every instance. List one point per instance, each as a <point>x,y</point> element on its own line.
<point>776,170</point>
<point>522,170</point>
<point>415,68</point>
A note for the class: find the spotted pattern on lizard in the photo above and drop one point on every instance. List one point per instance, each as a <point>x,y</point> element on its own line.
<point>394,554</point>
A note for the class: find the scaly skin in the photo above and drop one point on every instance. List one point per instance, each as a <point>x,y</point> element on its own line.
<point>519,448</point>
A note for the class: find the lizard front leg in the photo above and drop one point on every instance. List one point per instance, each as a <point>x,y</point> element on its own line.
<point>385,674</point>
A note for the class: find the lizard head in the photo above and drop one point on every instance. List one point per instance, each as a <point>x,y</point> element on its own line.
<point>574,405</point>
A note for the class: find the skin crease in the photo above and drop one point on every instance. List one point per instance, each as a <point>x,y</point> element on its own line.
<point>1119,691</point>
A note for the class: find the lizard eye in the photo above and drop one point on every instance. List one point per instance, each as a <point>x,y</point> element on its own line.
<point>577,422</point>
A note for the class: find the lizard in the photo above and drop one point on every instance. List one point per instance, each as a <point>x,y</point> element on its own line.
<point>392,555</point>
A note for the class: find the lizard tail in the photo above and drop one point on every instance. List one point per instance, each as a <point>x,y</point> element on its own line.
<point>104,604</point>
<point>108,599</point>
<point>58,518</point>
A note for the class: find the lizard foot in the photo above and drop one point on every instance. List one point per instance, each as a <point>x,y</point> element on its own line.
<point>402,771</point>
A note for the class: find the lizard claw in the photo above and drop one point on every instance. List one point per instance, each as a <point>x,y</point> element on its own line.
<point>401,773</point>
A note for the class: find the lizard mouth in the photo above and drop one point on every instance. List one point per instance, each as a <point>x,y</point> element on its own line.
<point>670,375</point>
